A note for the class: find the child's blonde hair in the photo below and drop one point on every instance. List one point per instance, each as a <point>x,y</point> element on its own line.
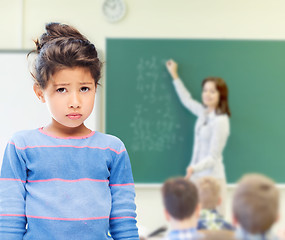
<point>256,203</point>
<point>209,192</point>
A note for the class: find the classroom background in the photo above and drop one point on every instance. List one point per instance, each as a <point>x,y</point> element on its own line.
<point>24,20</point>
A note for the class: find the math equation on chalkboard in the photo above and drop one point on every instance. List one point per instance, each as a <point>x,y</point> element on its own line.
<point>153,125</point>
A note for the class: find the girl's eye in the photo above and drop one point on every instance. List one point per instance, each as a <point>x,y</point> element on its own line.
<point>61,90</point>
<point>84,89</point>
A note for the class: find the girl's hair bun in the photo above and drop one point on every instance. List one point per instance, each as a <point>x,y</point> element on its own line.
<point>63,46</point>
<point>58,31</point>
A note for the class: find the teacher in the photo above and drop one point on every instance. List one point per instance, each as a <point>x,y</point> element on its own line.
<point>212,127</point>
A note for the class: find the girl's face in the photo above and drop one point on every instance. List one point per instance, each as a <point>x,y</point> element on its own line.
<point>210,95</point>
<point>70,96</point>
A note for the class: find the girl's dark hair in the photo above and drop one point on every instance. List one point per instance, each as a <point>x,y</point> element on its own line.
<point>221,86</point>
<point>63,46</point>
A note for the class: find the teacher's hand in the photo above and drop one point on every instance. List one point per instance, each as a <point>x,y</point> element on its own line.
<point>172,68</point>
<point>189,173</point>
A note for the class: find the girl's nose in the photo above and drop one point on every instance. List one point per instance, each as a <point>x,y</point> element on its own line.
<point>74,101</point>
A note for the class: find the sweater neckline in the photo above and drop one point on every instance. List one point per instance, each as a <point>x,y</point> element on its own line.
<point>54,136</point>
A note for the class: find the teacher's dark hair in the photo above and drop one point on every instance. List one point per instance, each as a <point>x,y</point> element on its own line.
<point>221,86</point>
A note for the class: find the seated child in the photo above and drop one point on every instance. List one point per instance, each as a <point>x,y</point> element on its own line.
<point>180,198</point>
<point>209,198</point>
<point>255,207</point>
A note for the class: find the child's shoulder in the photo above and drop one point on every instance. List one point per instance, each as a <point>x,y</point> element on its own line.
<point>110,140</point>
<point>24,136</point>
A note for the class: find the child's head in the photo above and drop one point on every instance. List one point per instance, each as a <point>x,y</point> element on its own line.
<point>180,198</point>
<point>209,192</point>
<point>67,71</point>
<point>256,203</point>
<point>61,47</point>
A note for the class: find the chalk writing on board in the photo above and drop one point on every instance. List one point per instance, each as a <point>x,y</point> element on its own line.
<point>153,130</point>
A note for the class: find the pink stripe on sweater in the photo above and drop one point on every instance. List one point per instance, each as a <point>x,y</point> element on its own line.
<point>63,219</point>
<point>68,219</point>
<point>13,215</point>
<point>114,218</point>
<point>12,179</point>
<point>51,135</point>
<point>119,185</point>
<point>70,146</point>
<point>68,180</point>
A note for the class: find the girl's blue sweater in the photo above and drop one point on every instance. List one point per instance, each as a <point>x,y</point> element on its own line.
<point>66,188</point>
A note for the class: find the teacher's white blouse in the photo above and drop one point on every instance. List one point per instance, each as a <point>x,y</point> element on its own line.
<point>211,134</point>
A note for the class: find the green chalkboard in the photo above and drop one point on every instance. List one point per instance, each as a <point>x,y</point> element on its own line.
<point>144,111</point>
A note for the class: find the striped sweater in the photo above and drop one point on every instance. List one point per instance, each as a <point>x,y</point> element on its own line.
<point>66,188</point>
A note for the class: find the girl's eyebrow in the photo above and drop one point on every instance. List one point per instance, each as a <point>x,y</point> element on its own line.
<point>60,84</point>
<point>83,83</point>
<point>66,84</point>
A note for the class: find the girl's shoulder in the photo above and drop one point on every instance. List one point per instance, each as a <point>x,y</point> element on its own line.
<point>109,140</point>
<point>24,134</point>
<point>24,137</point>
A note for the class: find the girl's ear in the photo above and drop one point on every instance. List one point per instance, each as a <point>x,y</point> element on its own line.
<point>39,92</point>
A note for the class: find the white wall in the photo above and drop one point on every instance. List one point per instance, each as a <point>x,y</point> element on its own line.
<point>24,20</point>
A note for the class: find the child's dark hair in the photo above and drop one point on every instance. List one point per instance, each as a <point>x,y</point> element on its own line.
<point>60,47</point>
<point>180,197</point>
